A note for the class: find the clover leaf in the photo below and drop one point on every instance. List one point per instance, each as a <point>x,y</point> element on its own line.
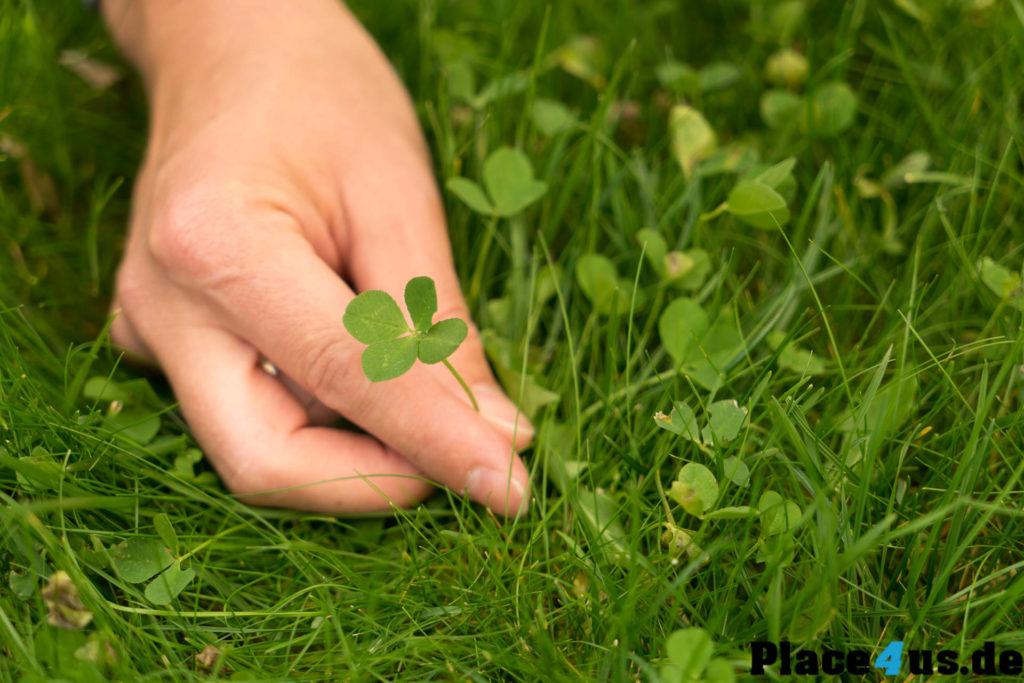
<point>689,658</point>
<point>601,283</point>
<point>142,559</point>
<point>680,421</point>
<point>510,184</point>
<point>693,138</point>
<point>166,586</point>
<point>726,418</point>
<point>696,489</point>
<point>757,204</point>
<point>139,559</point>
<point>375,319</point>
<point>778,515</point>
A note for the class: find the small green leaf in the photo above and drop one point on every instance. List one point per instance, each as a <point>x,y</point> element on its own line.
<point>726,419</point>
<point>736,470</point>
<point>421,300</point>
<point>164,529</point>
<point>698,271</point>
<point>707,363</point>
<point>548,280</point>
<point>679,541</point>
<point>583,57</point>
<point>681,326</point>
<point>655,248</point>
<point>184,463</point>
<point>677,77</point>
<point>552,117</point>
<point>719,671</point>
<point>390,358</point>
<point>780,108</point>
<point>800,360</point>
<point>22,586</point>
<point>795,357</point>
<point>374,316</point>
<point>735,157</point>
<point>138,559</point>
<point>778,549</point>
<point>508,177</point>
<point>602,514</point>
<point>1003,282</point>
<point>693,139</point>
<point>471,195</point>
<point>164,588</point>
<point>104,389</point>
<point>778,515</point>
<point>676,264</point>
<point>500,88</point>
<point>833,108</point>
<point>690,650</point>
<point>757,204</point>
<point>917,161</point>
<point>777,174</point>
<point>441,340</point>
<point>718,76</point>
<point>696,489</point>
<point>680,421</point>
<point>461,80</point>
<point>737,512</point>
<point>599,280</point>
<point>137,424</point>
<point>786,67</point>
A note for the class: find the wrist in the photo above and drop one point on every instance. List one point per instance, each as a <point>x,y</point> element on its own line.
<point>178,41</point>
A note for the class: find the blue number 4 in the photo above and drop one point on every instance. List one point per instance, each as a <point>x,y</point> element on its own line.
<point>889,659</point>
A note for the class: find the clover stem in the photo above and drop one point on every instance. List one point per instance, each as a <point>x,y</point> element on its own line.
<point>472,398</point>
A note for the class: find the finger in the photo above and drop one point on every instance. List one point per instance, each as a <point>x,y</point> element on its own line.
<point>271,289</point>
<point>256,433</point>
<point>124,337</point>
<point>316,412</point>
<point>381,259</point>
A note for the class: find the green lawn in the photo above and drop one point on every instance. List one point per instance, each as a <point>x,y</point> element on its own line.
<point>865,486</point>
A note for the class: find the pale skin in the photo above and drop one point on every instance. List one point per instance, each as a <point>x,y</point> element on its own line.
<point>286,172</point>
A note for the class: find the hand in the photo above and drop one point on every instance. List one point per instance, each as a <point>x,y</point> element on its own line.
<point>286,171</point>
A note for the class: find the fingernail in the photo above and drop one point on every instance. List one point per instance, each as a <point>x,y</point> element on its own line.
<point>501,412</point>
<point>495,489</point>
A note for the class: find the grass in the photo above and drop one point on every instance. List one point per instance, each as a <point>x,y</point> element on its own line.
<point>904,455</point>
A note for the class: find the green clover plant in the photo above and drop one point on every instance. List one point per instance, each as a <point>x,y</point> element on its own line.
<point>375,319</point>
<point>688,657</point>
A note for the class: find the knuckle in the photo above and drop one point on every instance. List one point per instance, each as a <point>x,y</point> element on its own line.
<point>455,309</point>
<point>331,369</point>
<point>195,240</point>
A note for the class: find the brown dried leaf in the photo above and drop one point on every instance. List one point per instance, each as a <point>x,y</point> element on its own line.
<point>39,185</point>
<point>206,661</point>
<point>65,607</point>
<point>96,73</point>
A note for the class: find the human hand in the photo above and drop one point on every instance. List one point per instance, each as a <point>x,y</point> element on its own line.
<point>285,171</point>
